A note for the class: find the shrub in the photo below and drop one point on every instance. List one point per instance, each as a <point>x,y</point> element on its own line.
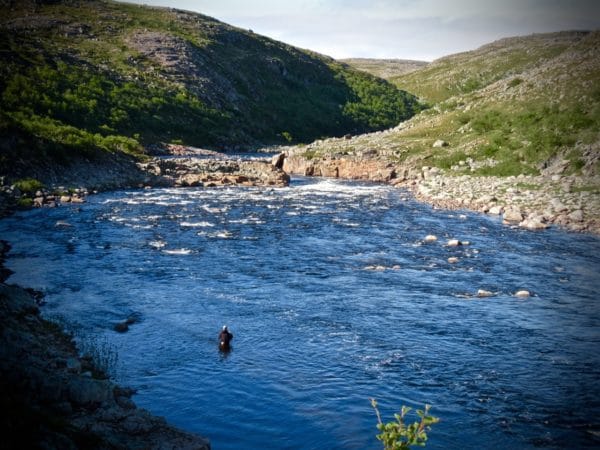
<point>398,435</point>
<point>29,185</point>
<point>515,82</point>
<point>25,202</point>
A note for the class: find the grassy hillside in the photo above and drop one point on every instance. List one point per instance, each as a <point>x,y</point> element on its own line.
<point>518,105</point>
<point>471,71</point>
<point>385,68</point>
<point>82,77</point>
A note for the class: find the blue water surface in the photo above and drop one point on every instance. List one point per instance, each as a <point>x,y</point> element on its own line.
<point>333,298</point>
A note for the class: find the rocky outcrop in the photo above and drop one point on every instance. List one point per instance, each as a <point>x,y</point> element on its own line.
<point>211,172</point>
<point>52,398</point>
<point>351,168</point>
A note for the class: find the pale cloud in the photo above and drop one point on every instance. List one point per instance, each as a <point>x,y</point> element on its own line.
<point>411,29</point>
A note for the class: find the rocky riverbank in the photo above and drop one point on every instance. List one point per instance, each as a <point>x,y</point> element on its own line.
<point>530,202</point>
<point>52,397</point>
<point>183,172</point>
<point>52,185</point>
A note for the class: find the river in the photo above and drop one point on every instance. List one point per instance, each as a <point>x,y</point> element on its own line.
<point>333,298</point>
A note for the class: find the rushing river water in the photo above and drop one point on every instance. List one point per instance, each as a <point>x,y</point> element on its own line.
<point>333,298</point>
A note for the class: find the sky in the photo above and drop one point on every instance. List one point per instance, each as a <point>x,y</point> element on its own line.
<point>406,29</point>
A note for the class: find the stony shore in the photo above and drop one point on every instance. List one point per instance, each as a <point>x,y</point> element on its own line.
<point>55,398</point>
<point>530,202</point>
<point>187,167</point>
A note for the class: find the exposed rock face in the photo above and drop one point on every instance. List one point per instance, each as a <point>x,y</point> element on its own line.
<point>52,398</point>
<point>341,167</point>
<point>185,63</point>
<point>210,172</point>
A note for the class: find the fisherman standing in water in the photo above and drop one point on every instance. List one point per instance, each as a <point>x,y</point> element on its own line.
<point>225,338</point>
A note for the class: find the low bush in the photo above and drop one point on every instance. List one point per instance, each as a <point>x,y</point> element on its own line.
<point>28,185</point>
<point>400,435</point>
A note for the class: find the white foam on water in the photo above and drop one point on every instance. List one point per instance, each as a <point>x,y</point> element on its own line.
<point>178,251</point>
<point>336,187</point>
<point>346,223</point>
<point>214,210</point>
<point>248,220</point>
<point>202,224</point>
<point>157,244</point>
<point>217,235</point>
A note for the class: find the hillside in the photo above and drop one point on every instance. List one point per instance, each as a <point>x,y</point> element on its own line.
<point>90,77</point>
<point>524,113</point>
<point>471,71</point>
<point>525,106</point>
<point>385,68</point>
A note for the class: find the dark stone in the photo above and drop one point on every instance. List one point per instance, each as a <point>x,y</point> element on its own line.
<point>121,327</point>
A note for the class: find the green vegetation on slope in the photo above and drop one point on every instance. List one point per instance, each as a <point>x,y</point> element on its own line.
<point>516,106</point>
<point>105,76</point>
<point>468,72</point>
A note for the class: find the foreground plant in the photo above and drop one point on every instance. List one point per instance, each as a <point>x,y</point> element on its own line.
<point>397,435</point>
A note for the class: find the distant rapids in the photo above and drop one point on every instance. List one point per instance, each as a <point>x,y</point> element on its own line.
<point>333,297</point>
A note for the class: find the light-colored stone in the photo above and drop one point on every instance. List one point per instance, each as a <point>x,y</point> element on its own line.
<point>533,223</point>
<point>453,243</point>
<point>557,205</point>
<point>453,260</point>
<point>483,293</point>
<point>513,214</point>
<point>576,216</point>
<point>430,238</point>
<point>522,294</point>
<point>440,143</point>
<point>496,210</point>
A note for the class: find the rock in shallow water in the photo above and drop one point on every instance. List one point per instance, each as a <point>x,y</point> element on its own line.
<point>522,294</point>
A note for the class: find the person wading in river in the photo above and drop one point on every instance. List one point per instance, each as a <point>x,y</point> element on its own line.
<point>225,338</point>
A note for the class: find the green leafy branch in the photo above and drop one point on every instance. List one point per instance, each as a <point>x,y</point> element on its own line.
<point>398,435</point>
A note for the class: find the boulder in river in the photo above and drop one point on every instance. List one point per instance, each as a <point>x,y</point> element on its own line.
<point>522,294</point>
